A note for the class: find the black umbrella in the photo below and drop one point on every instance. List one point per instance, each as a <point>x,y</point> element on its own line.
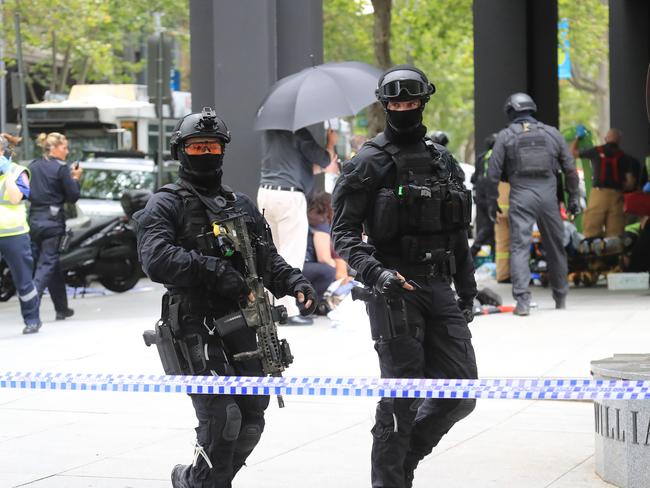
<point>316,94</point>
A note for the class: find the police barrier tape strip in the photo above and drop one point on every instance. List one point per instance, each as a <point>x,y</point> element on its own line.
<point>507,388</point>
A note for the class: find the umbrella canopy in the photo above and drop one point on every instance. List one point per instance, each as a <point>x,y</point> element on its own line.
<point>316,94</point>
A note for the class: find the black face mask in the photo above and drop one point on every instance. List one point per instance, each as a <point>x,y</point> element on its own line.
<point>204,163</point>
<point>404,121</point>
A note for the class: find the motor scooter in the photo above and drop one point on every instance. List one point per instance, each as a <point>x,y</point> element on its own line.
<point>105,252</point>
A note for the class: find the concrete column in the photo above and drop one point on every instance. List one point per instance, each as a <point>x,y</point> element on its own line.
<point>515,49</point>
<point>238,50</point>
<point>629,54</point>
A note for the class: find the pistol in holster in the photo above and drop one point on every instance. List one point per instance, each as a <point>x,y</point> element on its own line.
<point>180,353</point>
<point>387,316</point>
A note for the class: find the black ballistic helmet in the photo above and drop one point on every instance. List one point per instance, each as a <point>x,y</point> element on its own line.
<point>404,82</point>
<point>519,102</point>
<point>440,137</point>
<point>204,124</point>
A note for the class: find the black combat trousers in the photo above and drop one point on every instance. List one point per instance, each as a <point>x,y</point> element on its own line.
<point>484,226</point>
<point>438,345</point>
<point>229,426</point>
<point>47,270</point>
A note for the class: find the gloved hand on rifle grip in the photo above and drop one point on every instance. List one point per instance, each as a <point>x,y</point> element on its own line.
<point>230,283</point>
<point>306,298</point>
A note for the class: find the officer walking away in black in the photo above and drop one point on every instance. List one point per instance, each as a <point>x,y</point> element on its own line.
<point>185,242</point>
<point>53,184</point>
<point>532,154</point>
<point>407,194</point>
<point>484,226</point>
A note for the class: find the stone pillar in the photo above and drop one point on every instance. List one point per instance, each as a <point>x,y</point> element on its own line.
<point>629,54</point>
<point>238,50</point>
<point>515,49</point>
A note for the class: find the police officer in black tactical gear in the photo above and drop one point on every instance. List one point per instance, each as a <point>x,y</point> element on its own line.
<point>214,278</point>
<point>530,155</point>
<point>484,226</point>
<point>407,194</point>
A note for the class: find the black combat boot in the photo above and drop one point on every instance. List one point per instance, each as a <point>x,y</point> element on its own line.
<point>180,475</point>
<point>560,302</point>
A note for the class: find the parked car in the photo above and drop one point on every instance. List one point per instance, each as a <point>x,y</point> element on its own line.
<point>106,178</point>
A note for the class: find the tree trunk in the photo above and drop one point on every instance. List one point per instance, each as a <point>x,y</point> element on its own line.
<point>65,70</point>
<point>603,99</point>
<point>84,71</point>
<point>381,35</point>
<point>54,77</point>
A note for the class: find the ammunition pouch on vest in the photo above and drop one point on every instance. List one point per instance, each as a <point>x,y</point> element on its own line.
<point>426,205</point>
<point>533,156</point>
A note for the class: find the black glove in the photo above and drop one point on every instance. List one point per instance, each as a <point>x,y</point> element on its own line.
<point>467,308</point>
<point>574,207</point>
<point>229,282</point>
<point>493,210</point>
<point>309,293</point>
<point>388,284</point>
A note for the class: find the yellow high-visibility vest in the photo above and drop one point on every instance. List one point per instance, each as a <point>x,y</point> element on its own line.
<point>13,218</point>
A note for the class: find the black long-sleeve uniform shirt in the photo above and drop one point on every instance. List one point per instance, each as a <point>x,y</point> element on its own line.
<point>165,261</point>
<point>353,199</point>
<point>51,185</point>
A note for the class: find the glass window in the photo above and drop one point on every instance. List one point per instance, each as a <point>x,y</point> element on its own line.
<point>104,184</point>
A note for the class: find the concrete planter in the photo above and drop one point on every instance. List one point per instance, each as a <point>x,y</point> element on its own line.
<point>622,427</point>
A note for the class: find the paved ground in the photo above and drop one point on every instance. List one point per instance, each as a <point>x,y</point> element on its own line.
<point>117,440</point>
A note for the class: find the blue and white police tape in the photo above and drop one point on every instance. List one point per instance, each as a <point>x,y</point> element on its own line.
<point>506,388</point>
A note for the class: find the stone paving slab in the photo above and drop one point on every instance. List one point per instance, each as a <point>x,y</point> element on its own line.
<point>64,439</point>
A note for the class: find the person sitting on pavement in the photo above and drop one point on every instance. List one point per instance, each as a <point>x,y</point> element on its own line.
<point>613,172</point>
<point>15,245</point>
<point>322,265</point>
<point>53,185</point>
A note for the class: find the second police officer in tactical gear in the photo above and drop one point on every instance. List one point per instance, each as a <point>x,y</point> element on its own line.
<point>532,154</point>
<point>407,194</point>
<point>213,251</point>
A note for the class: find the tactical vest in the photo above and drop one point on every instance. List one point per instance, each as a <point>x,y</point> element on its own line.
<point>13,218</point>
<point>427,204</point>
<point>197,233</point>
<point>533,156</point>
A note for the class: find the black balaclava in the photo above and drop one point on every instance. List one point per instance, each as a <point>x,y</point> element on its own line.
<point>204,171</point>
<point>404,127</point>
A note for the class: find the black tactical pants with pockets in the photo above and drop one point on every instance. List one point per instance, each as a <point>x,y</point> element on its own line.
<point>437,345</point>
<point>230,426</point>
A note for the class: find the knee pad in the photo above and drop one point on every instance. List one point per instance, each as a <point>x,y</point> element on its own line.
<point>232,425</point>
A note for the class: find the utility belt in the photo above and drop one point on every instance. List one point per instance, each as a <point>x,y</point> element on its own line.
<point>192,344</point>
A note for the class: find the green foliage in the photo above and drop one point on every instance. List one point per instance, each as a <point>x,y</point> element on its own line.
<point>434,36</point>
<point>581,98</point>
<point>95,33</point>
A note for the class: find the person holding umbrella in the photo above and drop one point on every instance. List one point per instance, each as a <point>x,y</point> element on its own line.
<point>291,155</point>
<point>408,193</point>
<point>287,177</point>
